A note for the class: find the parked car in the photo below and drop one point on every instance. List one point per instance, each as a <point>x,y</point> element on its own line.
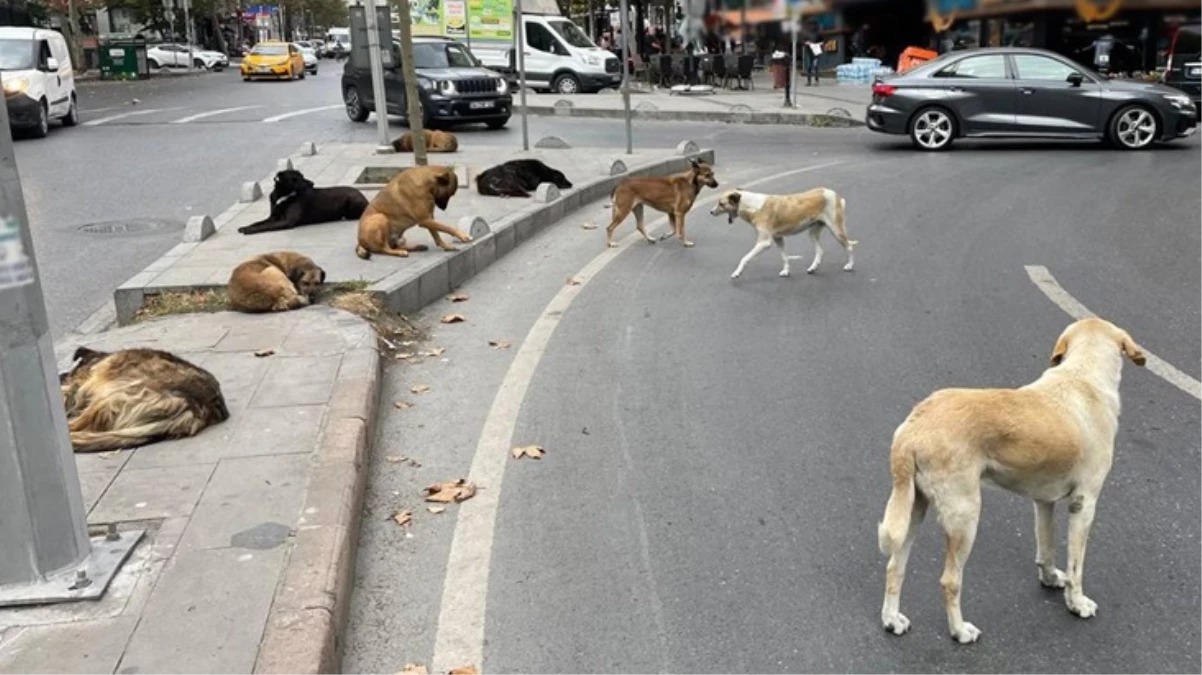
<point>1020,92</point>
<point>39,84</point>
<point>171,55</point>
<point>273,60</point>
<point>308,55</point>
<point>453,86</point>
<point>1184,68</point>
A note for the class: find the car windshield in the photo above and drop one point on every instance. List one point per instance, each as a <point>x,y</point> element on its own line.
<point>1189,40</point>
<point>442,55</point>
<point>269,50</point>
<point>16,54</point>
<point>572,33</point>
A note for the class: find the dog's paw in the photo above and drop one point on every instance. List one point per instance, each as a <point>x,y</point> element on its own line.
<point>449,247</point>
<point>735,274</point>
<point>967,634</point>
<point>612,244</point>
<point>651,240</point>
<point>467,239</point>
<point>1081,606</point>
<point>1053,579</point>
<point>689,244</point>
<point>849,268</point>
<point>810,270</point>
<point>784,273</point>
<point>897,624</point>
<point>245,229</point>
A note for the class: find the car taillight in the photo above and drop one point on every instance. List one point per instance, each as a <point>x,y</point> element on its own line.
<point>883,90</point>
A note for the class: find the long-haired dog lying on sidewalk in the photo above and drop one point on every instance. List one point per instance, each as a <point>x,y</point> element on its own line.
<point>129,398</point>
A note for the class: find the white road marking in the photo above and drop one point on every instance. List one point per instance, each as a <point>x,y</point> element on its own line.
<point>460,636</point>
<point>1044,280</point>
<point>113,118</point>
<point>212,113</point>
<point>297,113</point>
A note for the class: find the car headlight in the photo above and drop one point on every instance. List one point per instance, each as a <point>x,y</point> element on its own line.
<point>502,85</point>
<point>424,83</point>
<point>15,85</point>
<point>591,59</point>
<point>446,87</point>
<point>1179,101</point>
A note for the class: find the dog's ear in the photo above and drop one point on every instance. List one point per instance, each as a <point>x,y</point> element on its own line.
<point>1059,350</point>
<point>735,197</point>
<point>695,163</point>
<point>1132,350</point>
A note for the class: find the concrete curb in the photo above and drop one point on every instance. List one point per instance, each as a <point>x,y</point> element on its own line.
<point>309,612</point>
<point>728,117</point>
<point>94,75</point>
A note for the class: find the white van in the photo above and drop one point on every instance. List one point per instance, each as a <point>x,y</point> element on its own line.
<point>337,36</point>
<point>39,84</point>
<point>558,57</point>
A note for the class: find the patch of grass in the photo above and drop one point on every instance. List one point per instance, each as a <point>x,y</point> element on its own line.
<point>169,304</point>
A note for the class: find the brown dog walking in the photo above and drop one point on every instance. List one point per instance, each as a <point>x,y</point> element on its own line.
<point>673,195</point>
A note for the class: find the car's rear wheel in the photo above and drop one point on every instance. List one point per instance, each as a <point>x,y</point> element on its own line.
<point>354,105</point>
<point>1134,128</point>
<point>933,129</point>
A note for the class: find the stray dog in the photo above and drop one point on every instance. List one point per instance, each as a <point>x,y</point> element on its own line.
<point>274,282</point>
<point>1052,439</point>
<point>408,199</point>
<point>673,195</point>
<point>436,141</point>
<point>133,397</point>
<point>518,178</point>
<point>294,201</point>
<point>778,216</point>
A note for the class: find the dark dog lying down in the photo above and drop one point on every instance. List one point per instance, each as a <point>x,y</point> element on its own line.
<point>133,397</point>
<point>294,201</point>
<point>518,178</point>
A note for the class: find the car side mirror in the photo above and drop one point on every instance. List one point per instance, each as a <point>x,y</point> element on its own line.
<point>51,64</point>
<point>1076,79</point>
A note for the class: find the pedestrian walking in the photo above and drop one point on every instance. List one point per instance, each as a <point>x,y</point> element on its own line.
<point>813,50</point>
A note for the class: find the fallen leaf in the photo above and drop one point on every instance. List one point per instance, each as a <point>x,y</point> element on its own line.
<point>403,518</point>
<point>589,226</point>
<point>395,459</point>
<point>573,281</point>
<point>436,351</point>
<point>469,669</point>
<point>403,405</point>
<point>405,355</point>
<point>451,491</point>
<point>414,669</point>
<point>419,388</point>
<point>531,451</point>
<point>108,455</point>
<point>264,352</point>
<point>453,318</point>
<point>436,509</point>
<point>498,344</point>
<point>459,297</point>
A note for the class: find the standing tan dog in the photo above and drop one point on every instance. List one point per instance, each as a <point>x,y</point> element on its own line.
<point>274,282</point>
<point>775,217</point>
<point>436,141</point>
<point>673,195</point>
<point>133,397</point>
<point>1050,440</point>
<point>408,199</point>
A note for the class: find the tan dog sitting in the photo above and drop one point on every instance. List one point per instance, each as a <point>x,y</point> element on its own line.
<point>408,199</point>
<point>274,282</point>
<point>673,195</point>
<point>436,141</point>
<point>1050,440</point>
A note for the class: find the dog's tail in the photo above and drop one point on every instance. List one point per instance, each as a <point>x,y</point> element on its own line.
<point>893,528</point>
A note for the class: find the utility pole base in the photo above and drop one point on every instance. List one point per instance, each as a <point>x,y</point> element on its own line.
<point>86,581</point>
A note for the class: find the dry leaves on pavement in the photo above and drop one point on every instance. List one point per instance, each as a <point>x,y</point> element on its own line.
<point>451,491</point>
<point>531,451</point>
<point>403,405</point>
<point>469,669</point>
<point>589,226</point>
<point>499,344</point>
<point>264,352</point>
<point>414,669</point>
<point>402,356</point>
<point>453,318</point>
<point>434,351</point>
<point>419,389</point>
<point>573,281</point>
<point>436,509</point>
<point>459,297</point>
<point>403,518</point>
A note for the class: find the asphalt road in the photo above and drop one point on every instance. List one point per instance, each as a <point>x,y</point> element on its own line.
<point>718,450</point>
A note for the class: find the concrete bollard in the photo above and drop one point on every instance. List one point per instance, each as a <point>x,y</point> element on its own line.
<point>198,229</point>
<point>250,192</point>
<point>687,148</point>
<point>475,225</point>
<point>563,107</point>
<point>646,106</point>
<point>546,193</point>
<point>554,142</point>
<point>618,167</point>
<point>308,149</point>
<point>284,165</point>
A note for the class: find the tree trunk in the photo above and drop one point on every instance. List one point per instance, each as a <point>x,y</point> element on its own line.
<point>71,34</point>
<point>217,34</point>
<point>412,102</point>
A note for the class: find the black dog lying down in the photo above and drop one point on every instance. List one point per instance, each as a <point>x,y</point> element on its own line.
<point>517,178</point>
<point>294,201</point>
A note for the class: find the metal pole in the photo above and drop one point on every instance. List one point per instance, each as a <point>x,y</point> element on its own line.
<point>383,143</point>
<point>793,65</point>
<point>624,18</point>
<point>188,30</point>
<point>519,35</point>
<point>413,108</point>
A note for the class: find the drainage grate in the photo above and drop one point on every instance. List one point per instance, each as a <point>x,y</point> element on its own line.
<point>135,226</point>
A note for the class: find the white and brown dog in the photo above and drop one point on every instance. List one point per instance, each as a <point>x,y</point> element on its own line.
<point>778,216</point>
<point>1050,440</point>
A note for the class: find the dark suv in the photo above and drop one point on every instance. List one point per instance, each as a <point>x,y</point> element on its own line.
<point>1184,70</point>
<point>454,88</point>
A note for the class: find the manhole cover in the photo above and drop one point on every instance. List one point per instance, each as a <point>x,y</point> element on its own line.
<point>135,226</point>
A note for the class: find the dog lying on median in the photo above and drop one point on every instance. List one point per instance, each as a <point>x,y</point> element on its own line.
<point>408,199</point>
<point>1050,440</point>
<point>134,397</point>
<point>274,282</point>
<point>518,178</point>
<point>294,201</point>
<point>775,217</point>
<point>436,141</point>
<point>673,195</point>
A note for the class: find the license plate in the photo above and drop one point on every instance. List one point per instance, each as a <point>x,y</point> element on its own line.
<point>480,105</point>
<point>1193,71</point>
<point>262,69</point>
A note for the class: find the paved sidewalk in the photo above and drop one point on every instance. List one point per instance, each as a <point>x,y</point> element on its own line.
<point>251,523</point>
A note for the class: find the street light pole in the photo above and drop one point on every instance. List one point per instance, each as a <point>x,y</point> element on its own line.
<point>519,36</point>
<point>624,17</point>
<point>188,30</point>
<point>377,74</point>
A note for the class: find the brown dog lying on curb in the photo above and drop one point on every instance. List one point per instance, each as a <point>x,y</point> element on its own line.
<point>133,397</point>
<point>436,141</point>
<point>1050,440</point>
<point>673,195</point>
<point>408,199</point>
<point>274,282</point>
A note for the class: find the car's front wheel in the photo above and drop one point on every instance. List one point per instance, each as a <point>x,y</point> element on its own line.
<point>1134,128</point>
<point>497,123</point>
<point>72,117</point>
<point>354,105</point>
<point>566,84</point>
<point>43,126</point>
<point>932,129</point>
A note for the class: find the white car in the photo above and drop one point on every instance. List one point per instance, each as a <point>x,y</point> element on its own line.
<point>309,54</point>
<point>170,55</point>
<point>39,84</point>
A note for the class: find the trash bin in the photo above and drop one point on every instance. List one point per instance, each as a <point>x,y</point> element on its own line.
<point>780,70</point>
<point>123,59</point>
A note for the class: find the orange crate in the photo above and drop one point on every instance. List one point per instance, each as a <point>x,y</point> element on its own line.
<point>913,56</point>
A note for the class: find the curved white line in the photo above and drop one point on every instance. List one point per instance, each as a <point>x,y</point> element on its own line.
<point>212,113</point>
<point>460,636</point>
<point>297,113</point>
<point>112,118</point>
<point>1047,283</point>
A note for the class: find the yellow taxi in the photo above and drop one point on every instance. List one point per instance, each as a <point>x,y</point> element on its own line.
<point>280,60</point>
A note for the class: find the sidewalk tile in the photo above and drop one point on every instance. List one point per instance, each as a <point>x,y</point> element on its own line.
<point>140,494</point>
<point>297,381</point>
<point>77,647</point>
<point>248,495</point>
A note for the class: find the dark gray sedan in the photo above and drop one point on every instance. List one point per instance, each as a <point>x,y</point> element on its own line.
<point>1018,92</point>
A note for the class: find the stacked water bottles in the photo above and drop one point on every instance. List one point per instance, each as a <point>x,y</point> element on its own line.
<point>861,71</point>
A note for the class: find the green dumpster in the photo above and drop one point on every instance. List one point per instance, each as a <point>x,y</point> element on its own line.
<point>123,59</point>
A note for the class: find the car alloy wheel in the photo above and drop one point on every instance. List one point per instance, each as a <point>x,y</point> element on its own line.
<point>72,117</point>
<point>1134,128</point>
<point>567,84</point>
<point>354,105</point>
<point>933,129</point>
